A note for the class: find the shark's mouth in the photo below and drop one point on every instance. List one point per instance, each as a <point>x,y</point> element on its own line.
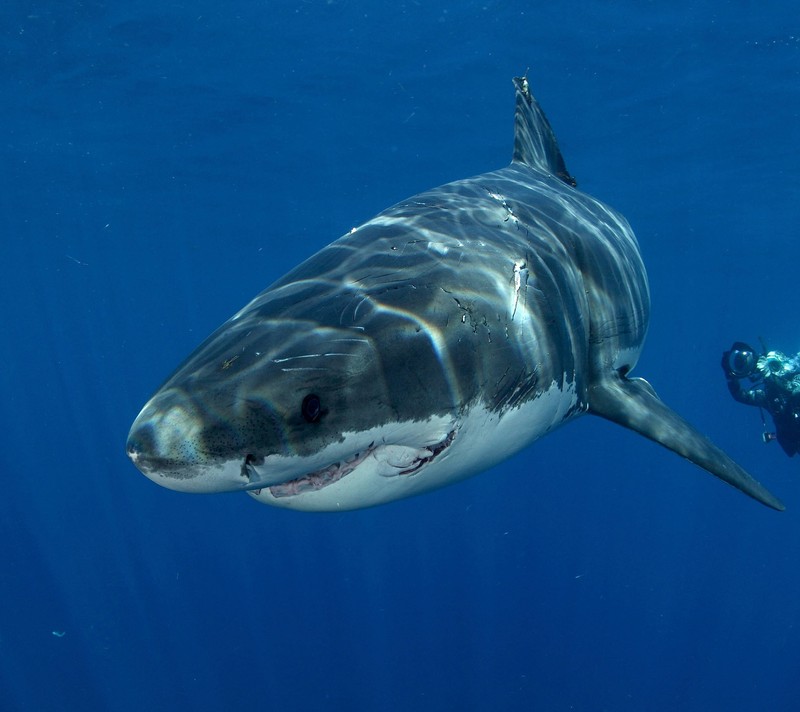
<point>401,461</point>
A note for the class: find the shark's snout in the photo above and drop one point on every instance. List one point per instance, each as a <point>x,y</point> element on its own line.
<point>165,443</point>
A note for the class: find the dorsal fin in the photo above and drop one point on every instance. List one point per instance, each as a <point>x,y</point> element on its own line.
<point>535,143</point>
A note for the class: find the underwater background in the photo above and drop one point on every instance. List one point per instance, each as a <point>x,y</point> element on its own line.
<point>162,162</point>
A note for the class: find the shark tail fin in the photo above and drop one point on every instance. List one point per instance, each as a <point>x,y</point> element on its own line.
<point>535,143</point>
<point>634,404</point>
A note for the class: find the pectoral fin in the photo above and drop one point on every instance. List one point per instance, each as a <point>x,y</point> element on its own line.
<point>634,404</point>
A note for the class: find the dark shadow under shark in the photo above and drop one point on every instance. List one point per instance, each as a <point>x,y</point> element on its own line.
<point>426,345</point>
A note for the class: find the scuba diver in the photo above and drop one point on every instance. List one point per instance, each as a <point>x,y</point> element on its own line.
<point>772,384</point>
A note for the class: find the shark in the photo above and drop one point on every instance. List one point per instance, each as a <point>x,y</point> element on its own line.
<point>424,346</point>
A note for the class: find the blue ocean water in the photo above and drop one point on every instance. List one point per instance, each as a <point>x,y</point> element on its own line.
<point>162,162</point>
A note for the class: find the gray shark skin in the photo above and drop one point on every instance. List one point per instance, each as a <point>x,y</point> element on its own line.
<point>428,344</point>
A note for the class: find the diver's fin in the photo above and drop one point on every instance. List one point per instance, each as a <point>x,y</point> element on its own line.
<point>535,143</point>
<point>634,404</point>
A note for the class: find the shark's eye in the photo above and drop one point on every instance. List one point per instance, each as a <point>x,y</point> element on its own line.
<point>311,408</point>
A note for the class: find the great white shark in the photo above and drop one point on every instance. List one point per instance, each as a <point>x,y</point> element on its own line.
<point>424,346</point>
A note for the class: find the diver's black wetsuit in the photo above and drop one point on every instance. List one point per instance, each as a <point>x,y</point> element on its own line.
<point>784,407</point>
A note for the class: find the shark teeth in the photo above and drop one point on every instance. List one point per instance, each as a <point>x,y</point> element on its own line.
<point>319,479</point>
